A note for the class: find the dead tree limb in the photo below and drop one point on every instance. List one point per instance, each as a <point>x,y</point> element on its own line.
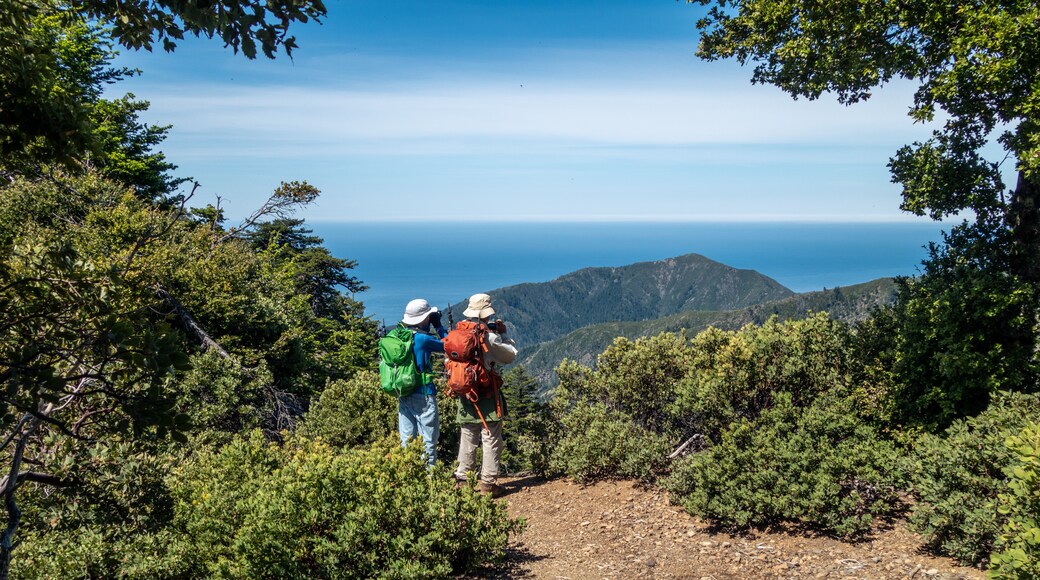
<point>285,407</point>
<point>189,323</point>
<point>38,477</point>
<point>677,452</point>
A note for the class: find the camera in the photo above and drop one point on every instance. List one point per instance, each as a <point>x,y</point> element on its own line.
<point>496,326</point>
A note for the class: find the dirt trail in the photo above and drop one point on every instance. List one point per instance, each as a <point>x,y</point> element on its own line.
<point>616,529</point>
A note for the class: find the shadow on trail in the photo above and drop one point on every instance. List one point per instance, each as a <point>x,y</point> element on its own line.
<point>514,485</point>
<point>513,565</point>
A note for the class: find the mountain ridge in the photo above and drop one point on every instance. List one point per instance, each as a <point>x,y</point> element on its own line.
<point>537,312</point>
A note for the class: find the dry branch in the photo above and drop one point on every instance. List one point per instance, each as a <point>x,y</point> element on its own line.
<point>679,450</point>
<point>190,324</point>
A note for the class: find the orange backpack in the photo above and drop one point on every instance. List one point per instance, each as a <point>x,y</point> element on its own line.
<point>468,376</point>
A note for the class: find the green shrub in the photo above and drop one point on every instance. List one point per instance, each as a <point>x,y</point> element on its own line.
<point>735,375</point>
<point>874,383</point>
<point>110,523</point>
<point>667,389</point>
<point>1017,553</point>
<point>109,551</point>
<point>819,466</point>
<point>599,442</point>
<point>958,475</point>
<point>352,412</point>
<point>614,421</point>
<point>639,378</point>
<point>304,509</point>
<point>219,395</point>
<point>448,408</point>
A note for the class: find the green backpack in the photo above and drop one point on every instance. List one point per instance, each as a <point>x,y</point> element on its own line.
<point>398,373</point>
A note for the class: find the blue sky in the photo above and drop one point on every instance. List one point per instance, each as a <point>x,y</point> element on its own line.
<point>534,110</point>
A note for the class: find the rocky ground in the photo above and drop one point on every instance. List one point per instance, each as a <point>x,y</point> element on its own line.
<point>617,529</point>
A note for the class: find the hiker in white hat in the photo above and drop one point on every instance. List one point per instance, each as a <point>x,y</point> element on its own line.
<point>481,421</point>
<point>417,412</point>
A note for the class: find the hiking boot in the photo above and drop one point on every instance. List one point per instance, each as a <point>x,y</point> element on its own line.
<point>460,483</point>
<point>490,489</point>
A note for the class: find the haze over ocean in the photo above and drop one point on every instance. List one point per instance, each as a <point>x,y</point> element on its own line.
<point>401,261</point>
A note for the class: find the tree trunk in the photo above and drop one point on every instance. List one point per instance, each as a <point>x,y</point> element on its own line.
<point>1024,219</point>
<point>9,487</point>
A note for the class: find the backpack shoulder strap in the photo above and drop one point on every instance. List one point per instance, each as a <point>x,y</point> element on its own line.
<point>482,336</point>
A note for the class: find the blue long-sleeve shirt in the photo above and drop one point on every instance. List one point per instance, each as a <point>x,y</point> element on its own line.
<point>424,346</point>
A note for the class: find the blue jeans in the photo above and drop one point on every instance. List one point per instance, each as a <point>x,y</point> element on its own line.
<point>417,415</point>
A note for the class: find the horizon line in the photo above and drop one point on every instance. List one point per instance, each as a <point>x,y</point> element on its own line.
<point>921,220</point>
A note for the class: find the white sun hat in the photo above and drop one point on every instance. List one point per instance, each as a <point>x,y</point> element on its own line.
<point>417,311</point>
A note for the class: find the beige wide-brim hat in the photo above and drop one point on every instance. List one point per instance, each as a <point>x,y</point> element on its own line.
<point>417,311</point>
<point>479,307</point>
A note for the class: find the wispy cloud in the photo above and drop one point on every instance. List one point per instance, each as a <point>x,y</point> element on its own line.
<point>638,131</point>
<point>462,119</point>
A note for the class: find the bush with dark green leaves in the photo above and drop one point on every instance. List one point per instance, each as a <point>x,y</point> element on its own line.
<point>111,521</point>
<point>819,466</point>
<point>104,552</point>
<point>307,509</point>
<point>664,390</point>
<point>255,509</point>
<point>614,421</point>
<point>352,412</point>
<point>737,375</point>
<point>1017,553</point>
<point>599,442</point>
<point>448,408</point>
<point>958,475</point>
<point>966,327</point>
<point>637,378</point>
<point>219,396</point>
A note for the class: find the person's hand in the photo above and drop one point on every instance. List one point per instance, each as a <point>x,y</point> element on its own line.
<point>435,319</point>
<point>500,327</point>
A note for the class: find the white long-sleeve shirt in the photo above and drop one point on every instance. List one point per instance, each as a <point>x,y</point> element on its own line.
<point>501,349</point>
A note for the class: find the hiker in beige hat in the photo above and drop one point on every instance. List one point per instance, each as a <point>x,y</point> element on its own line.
<point>481,421</point>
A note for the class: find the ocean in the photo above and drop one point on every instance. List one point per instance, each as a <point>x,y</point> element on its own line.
<point>447,262</point>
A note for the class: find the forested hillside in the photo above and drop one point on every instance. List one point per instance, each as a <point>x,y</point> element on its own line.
<point>849,304</point>
<point>538,312</point>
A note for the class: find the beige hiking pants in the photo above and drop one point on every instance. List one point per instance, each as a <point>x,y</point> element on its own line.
<point>470,436</point>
